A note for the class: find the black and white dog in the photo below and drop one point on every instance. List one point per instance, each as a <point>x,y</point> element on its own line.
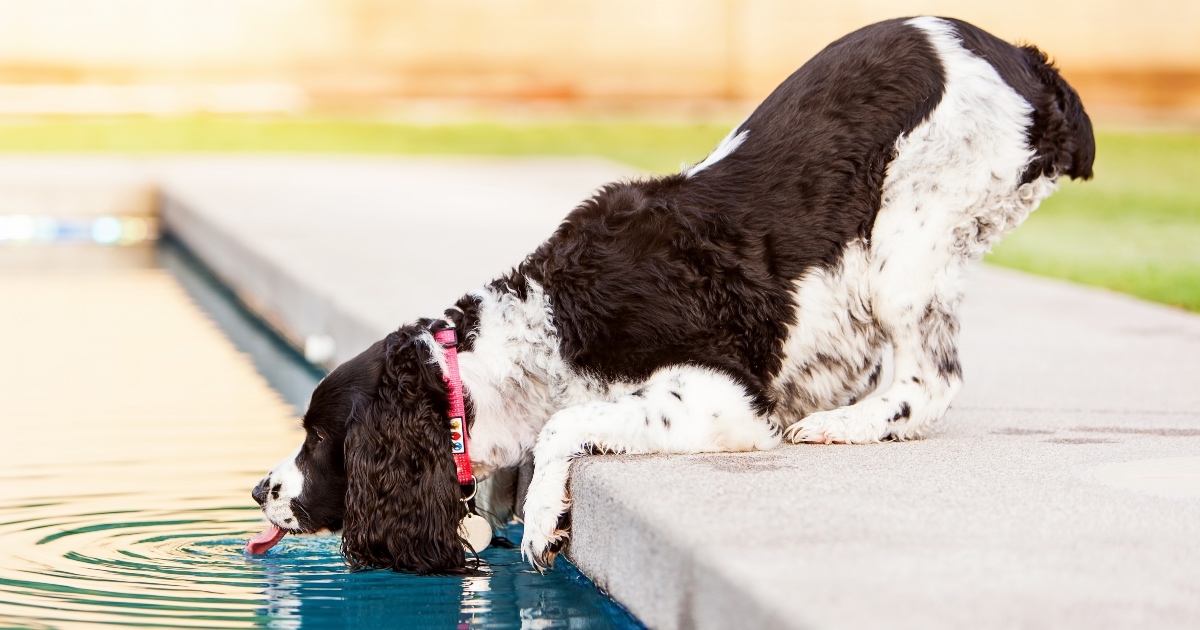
<point>745,300</point>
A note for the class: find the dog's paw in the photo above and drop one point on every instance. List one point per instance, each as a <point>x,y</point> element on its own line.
<point>857,424</point>
<point>546,515</point>
<point>545,535</point>
<point>539,548</point>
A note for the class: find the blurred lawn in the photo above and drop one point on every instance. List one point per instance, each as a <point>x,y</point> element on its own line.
<point>654,147</point>
<point>1135,228</point>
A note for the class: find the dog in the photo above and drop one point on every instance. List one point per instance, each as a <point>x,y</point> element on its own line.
<point>746,300</point>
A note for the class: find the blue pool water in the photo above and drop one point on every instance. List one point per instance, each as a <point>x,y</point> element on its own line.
<point>140,555</point>
<point>187,568</point>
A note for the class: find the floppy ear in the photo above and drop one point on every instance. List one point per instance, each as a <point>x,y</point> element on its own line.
<point>403,502</point>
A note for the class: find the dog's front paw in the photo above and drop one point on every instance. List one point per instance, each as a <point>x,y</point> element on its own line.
<point>857,424</point>
<point>539,548</point>
<point>545,535</point>
<point>546,507</point>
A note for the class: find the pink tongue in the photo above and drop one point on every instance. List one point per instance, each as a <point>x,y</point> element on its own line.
<point>264,541</point>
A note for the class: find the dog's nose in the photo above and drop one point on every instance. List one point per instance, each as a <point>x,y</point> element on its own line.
<point>260,491</point>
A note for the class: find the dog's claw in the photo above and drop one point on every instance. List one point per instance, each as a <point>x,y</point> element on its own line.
<point>847,425</point>
<point>541,554</point>
<point>799,433</point>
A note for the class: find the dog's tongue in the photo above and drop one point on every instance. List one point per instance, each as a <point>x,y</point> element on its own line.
<point>264,541</point>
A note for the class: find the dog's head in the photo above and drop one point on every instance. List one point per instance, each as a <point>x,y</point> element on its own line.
<point>376,462</point>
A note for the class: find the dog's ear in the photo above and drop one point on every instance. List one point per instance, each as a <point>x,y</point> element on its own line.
<point>403,500</point>
<point>1062,130</point>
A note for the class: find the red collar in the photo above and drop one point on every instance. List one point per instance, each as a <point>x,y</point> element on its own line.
<point>458,416</point>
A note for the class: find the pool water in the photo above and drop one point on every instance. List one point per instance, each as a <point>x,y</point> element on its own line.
<point>186,568</point>
<point>126,503</point>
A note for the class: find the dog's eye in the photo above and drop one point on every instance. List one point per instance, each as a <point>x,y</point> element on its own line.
<point>320,437</point>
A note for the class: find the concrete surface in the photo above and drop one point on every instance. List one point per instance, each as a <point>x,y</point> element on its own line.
<point>996,520</point>
<point>347,249</point>
<point>1009,515</point>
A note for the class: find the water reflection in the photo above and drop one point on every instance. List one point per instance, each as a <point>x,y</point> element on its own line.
<point>306,582</point>
<point>186,568</point>
<point>132,431</point>
<point>281,365</point>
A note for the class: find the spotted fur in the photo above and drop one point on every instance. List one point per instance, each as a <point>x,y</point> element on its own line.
<point>751,297</point>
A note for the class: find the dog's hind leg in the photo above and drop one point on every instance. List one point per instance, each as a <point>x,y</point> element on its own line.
<point>681,409</point>
<point>922,327</point>
<point>913,286</point>
<point>917,267</point>
<point>922,324</point>
<point>952,189</point>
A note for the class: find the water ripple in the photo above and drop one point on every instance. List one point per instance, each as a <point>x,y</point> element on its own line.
<point>187,568</point>
<point>125,473</point>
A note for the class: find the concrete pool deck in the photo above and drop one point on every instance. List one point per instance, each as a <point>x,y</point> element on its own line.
<point>1020,510</point>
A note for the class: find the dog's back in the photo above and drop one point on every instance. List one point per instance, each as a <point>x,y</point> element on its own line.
<point>709,266</point>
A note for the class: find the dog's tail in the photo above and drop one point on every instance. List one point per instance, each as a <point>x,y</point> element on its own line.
<point>1061,132</point>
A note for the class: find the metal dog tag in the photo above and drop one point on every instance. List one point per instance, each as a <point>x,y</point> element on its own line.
<point>477,531</point>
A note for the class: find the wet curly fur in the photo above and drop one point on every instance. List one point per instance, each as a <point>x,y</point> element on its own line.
<point>402,500</point>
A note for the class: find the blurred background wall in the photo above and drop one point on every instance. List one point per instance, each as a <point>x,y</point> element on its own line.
<point>1132,59</point>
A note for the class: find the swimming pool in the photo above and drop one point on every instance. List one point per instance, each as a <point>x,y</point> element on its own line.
<point>141,400</point>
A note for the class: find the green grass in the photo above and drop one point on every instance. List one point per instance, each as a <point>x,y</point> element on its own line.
<point>655,147</point>
<point>1135,228</point>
